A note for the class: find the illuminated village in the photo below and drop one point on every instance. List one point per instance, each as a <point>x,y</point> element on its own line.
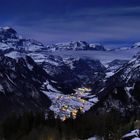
<point>65,106</point>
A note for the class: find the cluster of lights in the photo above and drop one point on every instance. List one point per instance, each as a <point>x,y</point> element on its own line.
<point>81,109</point>
<point>84,89</point>
<point>64,108</point>
<point>74,113</point>
<point>63,118</point>
<point>82,100</point>
<point>72,110</point>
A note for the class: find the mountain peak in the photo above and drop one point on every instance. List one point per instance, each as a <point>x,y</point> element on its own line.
<point>76,45</point>
<point>8,29</point>
<point>136,45</point>
<point>7,33</point>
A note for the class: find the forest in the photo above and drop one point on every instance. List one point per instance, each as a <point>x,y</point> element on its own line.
<point>34,126</point>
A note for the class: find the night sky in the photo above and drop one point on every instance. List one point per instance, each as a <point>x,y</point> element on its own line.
<point>110,22</point>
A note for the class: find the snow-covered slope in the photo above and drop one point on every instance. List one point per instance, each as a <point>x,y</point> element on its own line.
<point>70,73</point>
<point>133,135</point>
<point>130,72</point>
<point>114,66</point>
<point>20,83</point>
<point>121,89</point>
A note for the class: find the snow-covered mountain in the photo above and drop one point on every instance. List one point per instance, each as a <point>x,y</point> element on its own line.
<point>20,86</point>
<point>121,89</point>
<point>76,45</point>
<point>136,45</point>
<point>42,80</point>
<point>34,78</point>
<point>115,64</point>
<point>9,39</point>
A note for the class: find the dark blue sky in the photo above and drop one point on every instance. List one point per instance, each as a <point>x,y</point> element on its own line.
<point>111,22</point>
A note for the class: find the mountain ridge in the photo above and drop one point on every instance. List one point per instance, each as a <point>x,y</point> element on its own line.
<point>66,83</point>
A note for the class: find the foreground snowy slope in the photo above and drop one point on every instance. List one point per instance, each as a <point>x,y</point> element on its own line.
<point>133,135</point>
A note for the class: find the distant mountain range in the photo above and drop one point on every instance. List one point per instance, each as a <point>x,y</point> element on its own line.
<point>76,45</point>
<point>34,78</point>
